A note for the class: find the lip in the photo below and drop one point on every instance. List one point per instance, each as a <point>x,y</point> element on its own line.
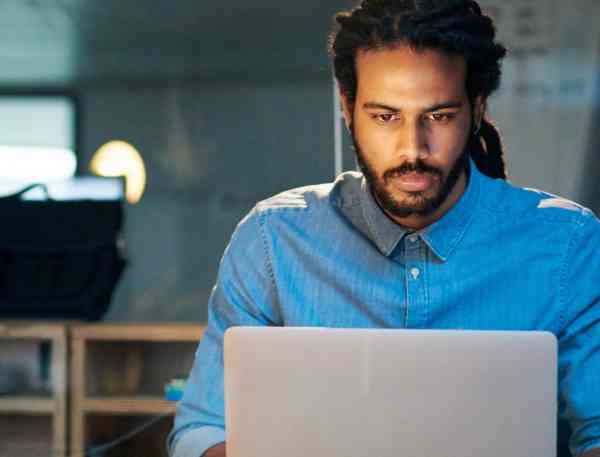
<point>415,182</point>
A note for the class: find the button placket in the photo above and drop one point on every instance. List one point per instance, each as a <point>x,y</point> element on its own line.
<point>414,256</point>
<point>413,250</point>
<point>415,272</point>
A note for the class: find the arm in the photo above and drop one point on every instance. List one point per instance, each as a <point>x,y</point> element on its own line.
<point>243,295</point>
<point>219,451</point>
<point>579,338</point>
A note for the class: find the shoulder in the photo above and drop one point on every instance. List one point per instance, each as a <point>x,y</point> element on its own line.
<point>292,204</point>
<point>536,206</point>
<point>298,199</point>
<point>301,209</point>
<point>313,198</point>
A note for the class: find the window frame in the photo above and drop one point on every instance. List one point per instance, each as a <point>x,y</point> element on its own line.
<point>69,94</point>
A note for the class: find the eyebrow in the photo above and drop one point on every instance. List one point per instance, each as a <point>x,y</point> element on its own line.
<point>436,107</point>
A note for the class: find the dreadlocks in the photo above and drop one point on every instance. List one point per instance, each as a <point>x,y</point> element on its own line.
<point>452,26</point>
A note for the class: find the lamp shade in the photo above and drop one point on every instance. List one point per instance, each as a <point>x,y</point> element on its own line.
<point>119,158</point>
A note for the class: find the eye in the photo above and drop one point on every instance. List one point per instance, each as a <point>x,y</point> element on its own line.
<point>383,118</point>
<point>441,118</point>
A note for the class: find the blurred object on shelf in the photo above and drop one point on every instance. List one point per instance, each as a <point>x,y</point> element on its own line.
<point>122,373</point>
<point>12,379</point>
<point>61,259</point>
<point>174,389</point>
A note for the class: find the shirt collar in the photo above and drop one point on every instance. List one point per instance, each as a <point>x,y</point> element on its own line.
<point>445,234</point>
<point>441,237</point>
<point>386,234</point>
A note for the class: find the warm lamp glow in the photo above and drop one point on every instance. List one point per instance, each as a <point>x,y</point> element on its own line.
<point>118,158</point>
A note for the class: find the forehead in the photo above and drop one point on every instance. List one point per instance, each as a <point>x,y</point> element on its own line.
<point>412,76</point>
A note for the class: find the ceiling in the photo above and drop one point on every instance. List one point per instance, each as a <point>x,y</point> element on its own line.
<point>78,42</point>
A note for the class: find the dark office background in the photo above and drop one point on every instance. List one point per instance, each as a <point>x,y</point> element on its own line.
<point>230,102</point>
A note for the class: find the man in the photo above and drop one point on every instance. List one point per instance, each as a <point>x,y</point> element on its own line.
<point>430,235</point>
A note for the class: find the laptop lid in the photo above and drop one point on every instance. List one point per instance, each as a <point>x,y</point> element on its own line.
<point>298,392</point>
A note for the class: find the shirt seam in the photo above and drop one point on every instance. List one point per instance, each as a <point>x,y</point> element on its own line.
<point>262,209</point>
<point>460,234</point>
<point>576,223</point>
<point>268,262</point>
<point>458,237</point>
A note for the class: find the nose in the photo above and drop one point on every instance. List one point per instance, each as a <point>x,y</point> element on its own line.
<point>412,141</point>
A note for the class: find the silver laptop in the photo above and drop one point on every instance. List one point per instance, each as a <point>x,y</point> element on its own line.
<point>297,392</point>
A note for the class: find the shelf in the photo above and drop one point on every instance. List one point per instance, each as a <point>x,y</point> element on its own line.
<point>27,435</point>
<point>26,404</point>
<point>32,330</point>
<point>128,405</point>
<point>139,332</point>
<point>119,371</point>
<point>33,422</point>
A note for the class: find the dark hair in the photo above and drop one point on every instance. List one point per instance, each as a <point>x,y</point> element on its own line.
<point>451,26</point>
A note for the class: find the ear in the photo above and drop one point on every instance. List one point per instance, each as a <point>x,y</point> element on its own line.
<point>347,109</point>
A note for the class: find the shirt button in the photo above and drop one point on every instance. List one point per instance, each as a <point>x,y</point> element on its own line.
<point>413,238</point>
<point>415,272</point>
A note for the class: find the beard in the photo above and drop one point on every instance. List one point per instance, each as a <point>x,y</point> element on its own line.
<point>412,203</point>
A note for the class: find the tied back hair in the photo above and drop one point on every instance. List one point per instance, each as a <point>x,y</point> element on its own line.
<point>456,27</point>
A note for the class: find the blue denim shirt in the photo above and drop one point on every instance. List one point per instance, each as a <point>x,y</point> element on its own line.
<point>503,258</point>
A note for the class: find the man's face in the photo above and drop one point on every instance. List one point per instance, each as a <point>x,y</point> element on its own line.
<point>411,122</point>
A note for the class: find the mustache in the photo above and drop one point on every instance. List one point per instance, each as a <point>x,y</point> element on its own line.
<point>419,166</point>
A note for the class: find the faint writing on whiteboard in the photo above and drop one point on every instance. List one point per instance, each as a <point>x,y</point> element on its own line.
<point>526,27</point>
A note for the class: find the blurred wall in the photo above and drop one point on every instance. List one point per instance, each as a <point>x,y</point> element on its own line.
<point>590,179</point>
<point>212,151</point>
<point>545,106</point>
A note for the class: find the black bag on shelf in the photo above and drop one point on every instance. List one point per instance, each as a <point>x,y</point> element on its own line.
<point>58,259</point>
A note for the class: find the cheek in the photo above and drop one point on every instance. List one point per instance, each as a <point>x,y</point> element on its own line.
<point>446,144</point>
<point>376,144</point>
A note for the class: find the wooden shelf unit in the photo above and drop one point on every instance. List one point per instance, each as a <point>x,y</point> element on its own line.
<point>128,405</point>
<point>158,352</point>
<point>27,405</point>
<point>52,406</point>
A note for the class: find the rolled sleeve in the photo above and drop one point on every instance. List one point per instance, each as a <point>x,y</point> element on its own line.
<point>197,441</point>
<point>579,339</point>
<point>243,295</point>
